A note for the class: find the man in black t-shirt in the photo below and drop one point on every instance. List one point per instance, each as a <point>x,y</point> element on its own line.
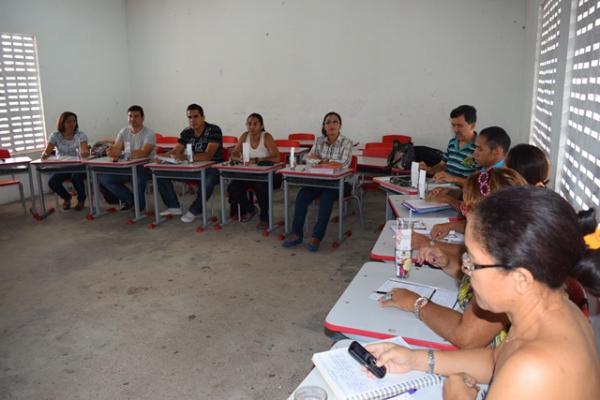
<point>206,141</point>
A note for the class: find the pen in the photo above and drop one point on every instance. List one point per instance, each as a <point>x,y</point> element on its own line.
<point>432,293</point>
<point>455,303</point>
<point>380,292</point>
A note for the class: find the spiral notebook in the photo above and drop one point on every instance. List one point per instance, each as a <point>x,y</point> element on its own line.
<point>349,381</point>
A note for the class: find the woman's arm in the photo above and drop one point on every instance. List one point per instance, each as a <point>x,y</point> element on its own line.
<point>236,153</point>
<point>47,151</point>
<point>84,149</point>
<point>272,147</point>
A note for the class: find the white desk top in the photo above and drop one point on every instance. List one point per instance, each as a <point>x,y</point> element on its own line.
<point>400,211</point>
<point>305,143</point>
<point>57,161</point>
<point>250,169</point>
<point>384,181</point>
<point>314,378</point>
<point>302,171</point>
<point>184,166</point>
<point>108,162</point>
<point>14,161</point>
<point>356,314</point>
<point>297,150</point>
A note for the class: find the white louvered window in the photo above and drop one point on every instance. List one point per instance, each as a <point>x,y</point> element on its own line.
<point>580,157</point>
<point>546,78</point>
<point>21,113</point>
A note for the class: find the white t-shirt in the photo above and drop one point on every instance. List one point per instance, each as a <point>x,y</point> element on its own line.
<point>138,140</point>
<point>261,151</point>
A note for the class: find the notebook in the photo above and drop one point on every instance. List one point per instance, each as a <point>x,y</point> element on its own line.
<point>168,160</point>
<point>422,207</point>
<point>349,381</point>
<point>326,168</point>
<point>443,297</point>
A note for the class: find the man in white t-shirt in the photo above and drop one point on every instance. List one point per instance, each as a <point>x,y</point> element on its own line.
<point>134,141</point>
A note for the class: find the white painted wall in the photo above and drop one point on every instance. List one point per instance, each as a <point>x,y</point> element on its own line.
<point>386,65</point>
<point>82,50</point>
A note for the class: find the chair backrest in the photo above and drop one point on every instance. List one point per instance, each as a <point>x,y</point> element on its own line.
<point>287,143</point>
<point>167,139</point>
<point>158,136</point>
<point>230,139</point>
<point>354,164</point>
<point>388,146</point>
<point>376,152</point>
<point>4,153</point>
<point>301,136</point>
<point>394,136</point>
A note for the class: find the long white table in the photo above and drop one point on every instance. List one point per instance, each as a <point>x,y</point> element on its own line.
<point>356,314</point>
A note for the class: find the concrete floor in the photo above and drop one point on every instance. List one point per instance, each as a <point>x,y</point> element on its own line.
<point>104,310</point>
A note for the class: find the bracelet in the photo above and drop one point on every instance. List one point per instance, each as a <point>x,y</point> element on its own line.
<point>419,303</point>
<point>430,361</point>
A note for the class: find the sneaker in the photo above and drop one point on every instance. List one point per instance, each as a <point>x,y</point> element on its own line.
<point>289,242</point>
<point>249,215</point>
<point>189,217</point>
<point>313,244</point>
<point>126,207</point>
<point>171,211</point>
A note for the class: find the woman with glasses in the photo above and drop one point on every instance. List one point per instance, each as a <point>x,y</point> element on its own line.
<point>471,327</point>
<point>330,147</point>
<point>522,243</point>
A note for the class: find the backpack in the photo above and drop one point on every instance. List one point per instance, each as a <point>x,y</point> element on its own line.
<point>401,156</point>
<point>428,155</point>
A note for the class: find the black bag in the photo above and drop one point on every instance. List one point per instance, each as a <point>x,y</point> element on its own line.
<point>99,148</point>
<point>401,156</point>
<point>428,155</point>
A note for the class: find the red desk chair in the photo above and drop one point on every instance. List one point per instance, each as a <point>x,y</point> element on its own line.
<point>403,139</point>
<point>287,143</point>
<point>379,145</point>
<point>302,136</point>
<point>5,153</point>
<point>356,192</point>
<point>230,139</point>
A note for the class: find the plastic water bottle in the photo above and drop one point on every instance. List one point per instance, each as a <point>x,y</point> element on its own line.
<point>403,248</point>
<point>189,153</point>
<point>127,151</point>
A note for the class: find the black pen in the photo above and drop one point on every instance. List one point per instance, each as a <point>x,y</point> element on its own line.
<point>380,292</point>
<point>432,293</point>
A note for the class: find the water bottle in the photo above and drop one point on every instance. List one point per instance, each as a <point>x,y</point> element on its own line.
<point>78,148</point>
<point>403,247</point>
<point>127,151</point>
<point>189,153</point>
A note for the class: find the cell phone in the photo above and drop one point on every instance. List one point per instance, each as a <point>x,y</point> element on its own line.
<point>367,359</point>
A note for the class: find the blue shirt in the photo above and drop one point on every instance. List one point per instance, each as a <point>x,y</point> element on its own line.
<point>459,161</point>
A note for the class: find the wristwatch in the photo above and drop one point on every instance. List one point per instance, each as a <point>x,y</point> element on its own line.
<point>419,303</point>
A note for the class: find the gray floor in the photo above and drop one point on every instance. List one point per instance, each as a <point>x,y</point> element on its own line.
<point>104,310</point>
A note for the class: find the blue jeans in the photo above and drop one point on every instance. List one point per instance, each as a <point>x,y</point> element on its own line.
<point>169,197</point>
<point>305,196</point>
<point>115,184</point>
<point>78,180</point>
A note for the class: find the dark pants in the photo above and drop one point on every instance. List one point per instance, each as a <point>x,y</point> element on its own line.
<point>115,184</point>
<point>78,179</point>
<point>307,195</point>
<point>238,195</point>
<point>169,197</point>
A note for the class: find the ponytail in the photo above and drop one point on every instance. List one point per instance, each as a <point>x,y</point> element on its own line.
<point>587,272</point>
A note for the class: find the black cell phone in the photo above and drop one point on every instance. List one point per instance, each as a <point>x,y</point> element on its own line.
<point>367,359</point>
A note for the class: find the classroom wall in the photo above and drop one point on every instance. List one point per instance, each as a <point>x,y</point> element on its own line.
<point>84,64</point>
<point>386,66</point>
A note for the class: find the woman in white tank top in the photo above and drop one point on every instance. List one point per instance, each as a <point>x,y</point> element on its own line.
<point>262,150</point>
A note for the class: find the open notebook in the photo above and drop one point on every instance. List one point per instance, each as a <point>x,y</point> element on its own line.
<point>349,381</point>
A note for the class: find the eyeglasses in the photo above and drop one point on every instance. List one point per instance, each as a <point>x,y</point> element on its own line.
<point>468,266</point>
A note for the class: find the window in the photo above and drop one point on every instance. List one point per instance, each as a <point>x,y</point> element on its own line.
<point>22,126</point>
<point>580,157</point>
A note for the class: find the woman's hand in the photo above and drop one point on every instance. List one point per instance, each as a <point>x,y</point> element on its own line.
<point>460,387</point>
<point>440,231</point>
<point>396,359</point>
<point>418,240</point>
<point>433,255</point>
<point>400,298</point>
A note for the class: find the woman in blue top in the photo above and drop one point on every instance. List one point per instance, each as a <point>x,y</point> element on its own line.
<point>68,140</point>
<point>332,146</point>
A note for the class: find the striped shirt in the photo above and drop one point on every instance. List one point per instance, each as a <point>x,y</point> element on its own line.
<point>340,151</point>
<point>459,161</point>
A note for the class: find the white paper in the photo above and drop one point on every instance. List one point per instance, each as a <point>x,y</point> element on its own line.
<point>292,158</point>
<point>443,297</point>
<point>422,184</point>
<point>414,174</point>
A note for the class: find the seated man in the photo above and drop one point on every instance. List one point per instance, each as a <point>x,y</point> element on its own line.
<point>491,147</point>
<point>134,141</point>
<point>206,141</point>
<point>458,160</point>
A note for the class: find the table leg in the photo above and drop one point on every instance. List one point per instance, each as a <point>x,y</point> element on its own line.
<point>285,205</point>
<point>388,209</point>
<point>136,198</point>
<point>341,209</point>
<point>90,193</point>
<point>222,192</point>
<point>44,213</point>
<point>155,197</point>
<point>31,189</point>
<point>270,183</point>
<point>96,186</point>
<point>203,189</point>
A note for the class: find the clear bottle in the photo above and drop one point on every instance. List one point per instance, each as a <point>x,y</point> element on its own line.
<point>127,151</point>
<point>403,247</point>
<point>189,153</point>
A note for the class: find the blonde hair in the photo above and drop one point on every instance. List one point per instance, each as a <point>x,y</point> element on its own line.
<point>481,184</point>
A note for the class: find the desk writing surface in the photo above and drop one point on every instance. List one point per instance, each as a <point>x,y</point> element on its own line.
<point>384,181</point>
<point>395,201</point>
<point>57,161</point>
<point>314,378</point>
<point>303,171</point>
<point>251,168</point>
<point>355,313</point>
<point>374,162</point>
<point>108,162</point>
<point>184,166</point>
<point>13,161</point>
<point>288,150</point>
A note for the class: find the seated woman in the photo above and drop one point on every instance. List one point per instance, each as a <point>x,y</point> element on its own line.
<point>262,150</point>
<point>331,146</point>
<point>473,327</point>
<point>68,140</point>
<point>522,243</point>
